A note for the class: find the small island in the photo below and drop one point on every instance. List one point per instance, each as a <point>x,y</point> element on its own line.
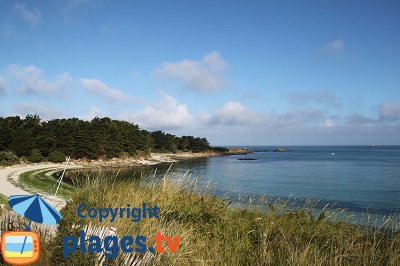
<point>238,151</point>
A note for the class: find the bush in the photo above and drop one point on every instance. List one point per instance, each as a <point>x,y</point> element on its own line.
<point>35,156</point>
<point>220,149</point>
<point>56,157</point>
<point>8,158</point>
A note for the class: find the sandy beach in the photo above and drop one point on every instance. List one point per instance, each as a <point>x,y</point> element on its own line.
<point>9,181</point>
<point>152,159</point>
<point>9,175</point>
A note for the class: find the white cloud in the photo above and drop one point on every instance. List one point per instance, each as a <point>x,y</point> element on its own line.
<point>388,116</point>
<point>389,111</point>
<point>93,112</point>
<point>335,47</point>
<point>324,98</point>
<point>299,117</point>
<point>328,123</point>
<point>232,113</point>
<point>97,87</point>
<point>358,120</point>
<point>2,85</point>
<point>33,16</point>
<point>205,75</point>
<point>7,30</point>
<point>30,79</point>
<point>45,111</point>
<point>167,114</point>
<point>68,9</point>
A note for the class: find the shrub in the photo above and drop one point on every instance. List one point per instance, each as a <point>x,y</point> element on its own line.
<point>220,149</point>
<point>56,157</point>
<point>8,158</point>
<point>35,156</point>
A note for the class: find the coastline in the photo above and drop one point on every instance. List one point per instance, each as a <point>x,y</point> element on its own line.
<point>152,159</point>
<point>193,214</point>
<point>9,184</point>
<point>157,158</point>
<point>9,175</point>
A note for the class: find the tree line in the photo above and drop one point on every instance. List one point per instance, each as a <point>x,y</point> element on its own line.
<point>98,138</point>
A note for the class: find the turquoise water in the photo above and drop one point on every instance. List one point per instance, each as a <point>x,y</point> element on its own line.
<point>358,178</point>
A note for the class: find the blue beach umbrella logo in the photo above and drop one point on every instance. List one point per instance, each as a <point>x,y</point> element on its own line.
<point>34,208</point>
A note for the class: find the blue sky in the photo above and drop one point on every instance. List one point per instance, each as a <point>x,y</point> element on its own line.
<point>236,72</point>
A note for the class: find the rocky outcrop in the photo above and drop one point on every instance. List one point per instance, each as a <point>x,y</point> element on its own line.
<point>238,151</point>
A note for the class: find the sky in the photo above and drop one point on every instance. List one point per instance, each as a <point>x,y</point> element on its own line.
<point>236,72</point>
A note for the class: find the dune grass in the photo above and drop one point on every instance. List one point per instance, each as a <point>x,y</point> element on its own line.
<point>3,200</point>
<point>212,233</point>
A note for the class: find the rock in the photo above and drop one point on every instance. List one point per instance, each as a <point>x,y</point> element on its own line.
<point>238,151</point>
<point>247,159</point>
<point>281,150</point>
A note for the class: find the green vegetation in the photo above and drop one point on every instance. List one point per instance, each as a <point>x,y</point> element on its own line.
<point>35,156</point>
<point>214,234</point>
<point>8,158</point>
<point>98,138</point>
<point>220,149</point>
<point>38,180</point>
<point>56,157</point>
<point>3,200</point>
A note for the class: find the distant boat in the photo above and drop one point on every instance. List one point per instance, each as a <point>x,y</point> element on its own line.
<point>332,153</point>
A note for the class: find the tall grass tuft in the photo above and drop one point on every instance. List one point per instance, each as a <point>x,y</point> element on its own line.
<point>212,233</point>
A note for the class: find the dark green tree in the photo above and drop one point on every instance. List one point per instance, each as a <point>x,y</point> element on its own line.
<point>98,138</point>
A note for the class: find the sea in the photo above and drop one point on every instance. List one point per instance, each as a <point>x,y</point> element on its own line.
<point>358,179</point>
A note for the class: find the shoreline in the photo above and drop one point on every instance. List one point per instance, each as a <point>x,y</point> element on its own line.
<point>157,157</point>
<point>9,175</point>
<point>9,184</point>
<point>152,159</point>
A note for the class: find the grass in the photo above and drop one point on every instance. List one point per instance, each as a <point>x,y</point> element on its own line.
<point>4,200</point>
<point>38,180</point>
<point>212,233</point>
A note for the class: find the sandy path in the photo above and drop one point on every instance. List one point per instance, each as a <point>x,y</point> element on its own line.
<point>9,181</point>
